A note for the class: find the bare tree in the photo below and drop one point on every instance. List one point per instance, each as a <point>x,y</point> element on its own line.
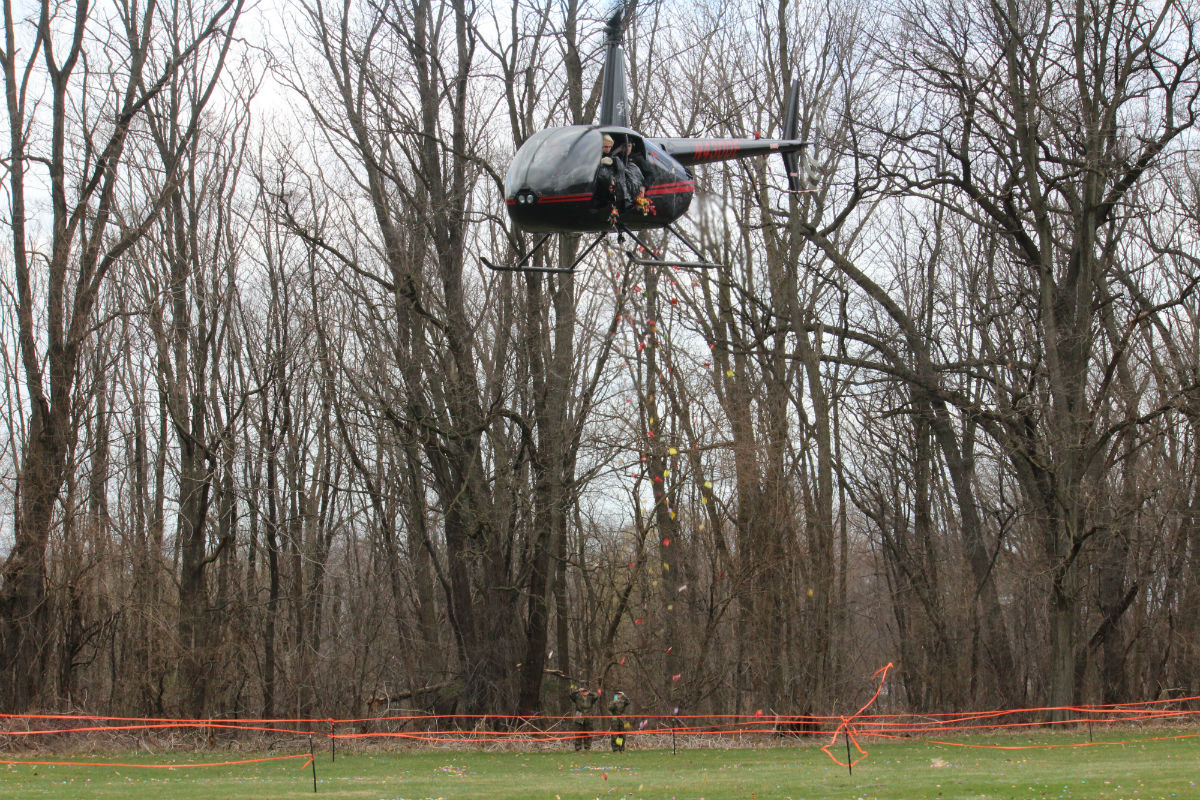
<point>1046,139</point>
<point>98,75</point>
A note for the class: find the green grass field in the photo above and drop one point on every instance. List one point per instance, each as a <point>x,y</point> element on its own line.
<point>1145,770</point>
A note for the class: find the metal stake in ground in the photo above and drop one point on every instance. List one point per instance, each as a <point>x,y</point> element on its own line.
<point>849,760</point>
<point>312,759</point>
<point>332,743</point>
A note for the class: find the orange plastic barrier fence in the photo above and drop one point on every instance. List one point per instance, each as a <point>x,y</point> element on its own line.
<point>493,728</point>
<point>305,756</point>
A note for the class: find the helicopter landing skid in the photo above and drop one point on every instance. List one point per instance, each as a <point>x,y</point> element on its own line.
<point>632,254</point>
<point>522,265</point>
<point>658,261</point>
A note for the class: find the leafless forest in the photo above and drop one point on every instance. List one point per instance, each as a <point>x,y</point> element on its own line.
<point>275,443</point>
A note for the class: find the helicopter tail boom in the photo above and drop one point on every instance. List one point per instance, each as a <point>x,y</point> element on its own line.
<point>701,151</point>
<point>689,151</point>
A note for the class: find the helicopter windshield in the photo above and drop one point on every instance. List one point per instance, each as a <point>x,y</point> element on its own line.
<point>555,161</point>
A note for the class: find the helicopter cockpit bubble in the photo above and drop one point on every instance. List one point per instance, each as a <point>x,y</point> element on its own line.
<point>553,163</point>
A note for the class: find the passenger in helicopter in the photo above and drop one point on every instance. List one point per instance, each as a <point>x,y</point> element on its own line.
<point>621,180</point>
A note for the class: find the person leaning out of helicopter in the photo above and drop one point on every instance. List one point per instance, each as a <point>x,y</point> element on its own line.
<point>609,178</point>
<point>620,179</point>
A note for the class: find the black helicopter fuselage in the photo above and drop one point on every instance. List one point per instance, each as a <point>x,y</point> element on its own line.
<point>556,182</point>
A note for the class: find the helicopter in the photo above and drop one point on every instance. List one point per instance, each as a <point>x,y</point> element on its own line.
<point>608,178</point>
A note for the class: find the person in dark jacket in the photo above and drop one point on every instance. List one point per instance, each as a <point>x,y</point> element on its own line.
<point>621,178</point>
<point>618,705</point>
<point>583,700</point>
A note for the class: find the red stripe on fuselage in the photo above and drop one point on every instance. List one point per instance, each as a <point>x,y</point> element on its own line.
<point>671,188</point>
<point>678,187</point>
<point>566,198</point>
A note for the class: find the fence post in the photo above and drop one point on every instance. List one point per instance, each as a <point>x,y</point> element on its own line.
<point>312,759</point>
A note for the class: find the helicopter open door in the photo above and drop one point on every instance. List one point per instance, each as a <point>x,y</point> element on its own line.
<point>623,172</point>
